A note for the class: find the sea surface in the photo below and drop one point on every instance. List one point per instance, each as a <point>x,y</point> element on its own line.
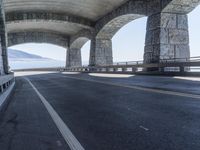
<point>35,63</point>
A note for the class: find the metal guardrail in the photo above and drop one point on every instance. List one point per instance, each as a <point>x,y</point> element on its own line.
<point>6,81</point>
<point>128,63</point>
<point>164,60</point>
<point>191,59</point>
<point>40,69</point>
<point>165,65</point>
<point>178,65</point>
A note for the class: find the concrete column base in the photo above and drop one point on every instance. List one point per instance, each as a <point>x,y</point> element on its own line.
<point>101,52</point>
<point>73,58</point>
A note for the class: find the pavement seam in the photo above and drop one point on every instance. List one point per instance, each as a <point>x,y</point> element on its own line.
<point>71,140</point>
<point>140,88</point>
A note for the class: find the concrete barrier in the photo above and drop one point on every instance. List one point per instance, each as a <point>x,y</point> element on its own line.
<point>39,69</point>
<point>7,83</point>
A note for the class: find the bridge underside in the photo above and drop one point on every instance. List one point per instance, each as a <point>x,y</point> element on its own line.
<point>71,23</point>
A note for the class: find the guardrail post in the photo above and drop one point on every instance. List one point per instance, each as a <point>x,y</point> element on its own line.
<point>134,69</point>
<point>182,69</point>
<point>2,89</point>
<point>162,69</point>
<point>124,69</point>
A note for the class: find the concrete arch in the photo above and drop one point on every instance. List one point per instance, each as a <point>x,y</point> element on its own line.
<point>146,8</point>
<point>113,26</point>
<point>79,42</point>
<point>101,46</point>
<point>122,15</point>
<point>37,37</point>
<point>13,17</point>
<point>180,6</point>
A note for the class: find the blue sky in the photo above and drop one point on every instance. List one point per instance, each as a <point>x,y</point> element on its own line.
<point>128,43</point>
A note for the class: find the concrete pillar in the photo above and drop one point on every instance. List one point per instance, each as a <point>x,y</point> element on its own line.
<point>101,52</point>
<point>167,37</point>
<point>92,52</point>
<point>3,43</point>
<point>73,58</point>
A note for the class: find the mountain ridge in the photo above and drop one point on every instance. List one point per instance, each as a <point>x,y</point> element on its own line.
<point>17,55</point>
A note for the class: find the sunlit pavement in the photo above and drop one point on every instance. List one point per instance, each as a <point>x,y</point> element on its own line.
<point>18,74</point>
<point>103,112</point>
<point>176,83</point>
<point>189,78</point>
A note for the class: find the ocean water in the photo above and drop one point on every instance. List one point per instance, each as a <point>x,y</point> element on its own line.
<point>31,63</point>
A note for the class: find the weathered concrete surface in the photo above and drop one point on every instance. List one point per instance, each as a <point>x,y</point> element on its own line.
<point>73,57</point>
<point>107,26</point>
<point>180,6</point>
<point>67,17</point>
<point>79,42</point>
<point>87,34</point>
<point>37,37</point>
<point>13,17</point>
<point>3,43</point>
<point>91,9</point>
<point>6,86</point>
<point>107,30</point>
<point>167,37</point>
<point>48,21</point>
<point>101,52</point>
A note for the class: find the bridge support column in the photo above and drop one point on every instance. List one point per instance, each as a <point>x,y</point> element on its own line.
<point>101,52</point>
<point>73,58</point>
<point>3,43</point>
<point>167,37</point>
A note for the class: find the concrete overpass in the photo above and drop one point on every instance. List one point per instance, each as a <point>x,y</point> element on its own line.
<point>70,24</point>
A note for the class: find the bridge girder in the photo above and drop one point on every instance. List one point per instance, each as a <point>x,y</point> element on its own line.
<point>70,22</point>
<point>16,38</point>
<point>61,23</point>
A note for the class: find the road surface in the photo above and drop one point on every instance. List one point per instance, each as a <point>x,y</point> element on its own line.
<point>101,112</point>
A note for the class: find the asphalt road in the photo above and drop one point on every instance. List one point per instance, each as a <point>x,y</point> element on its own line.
<point>101,114</point>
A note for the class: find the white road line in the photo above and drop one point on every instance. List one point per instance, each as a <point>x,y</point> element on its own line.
<point>195,96</point>
<point>146,129</point>
<point>64,130</point>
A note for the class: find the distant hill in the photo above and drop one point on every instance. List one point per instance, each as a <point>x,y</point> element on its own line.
<point>17,54</point>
